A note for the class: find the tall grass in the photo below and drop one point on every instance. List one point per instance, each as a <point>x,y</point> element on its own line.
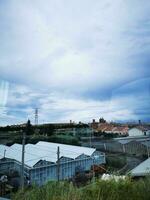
<point>98,190</point>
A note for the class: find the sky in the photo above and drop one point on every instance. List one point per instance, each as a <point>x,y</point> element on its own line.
<point>74,60</point>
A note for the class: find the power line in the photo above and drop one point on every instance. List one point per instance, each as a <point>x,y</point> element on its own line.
<point>4,153</point>
<point>36,116</point>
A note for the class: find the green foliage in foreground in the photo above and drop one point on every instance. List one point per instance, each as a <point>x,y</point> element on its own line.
<point>116,162</point>
<point>99,190</point>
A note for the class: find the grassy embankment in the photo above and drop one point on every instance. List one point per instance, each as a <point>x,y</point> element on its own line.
<point>99,190</point>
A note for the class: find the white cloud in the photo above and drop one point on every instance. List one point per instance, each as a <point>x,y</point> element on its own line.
<point>72,49</point>
<point>54,107</point>
<point>70,44</point>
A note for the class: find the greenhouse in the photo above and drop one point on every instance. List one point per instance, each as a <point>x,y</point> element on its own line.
<point>42,163</point>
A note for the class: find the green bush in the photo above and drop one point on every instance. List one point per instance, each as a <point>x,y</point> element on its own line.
<point>99,190</point>
<point>116,162</point>
<point>65,139</point>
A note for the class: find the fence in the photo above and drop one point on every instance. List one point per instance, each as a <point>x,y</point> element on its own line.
<point>131,147</point>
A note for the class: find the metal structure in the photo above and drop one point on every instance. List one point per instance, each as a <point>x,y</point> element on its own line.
<point>132,146</point>
<point>49,161</point>
<point>36,116</point>
<point>58,163</point>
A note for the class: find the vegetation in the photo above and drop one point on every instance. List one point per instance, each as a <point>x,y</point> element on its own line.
<point>59,133</point>
<point>116,162</point>
<point>106,135</point>
<point>43,128</point>
<point>99,190</point>
<point>65,139</point>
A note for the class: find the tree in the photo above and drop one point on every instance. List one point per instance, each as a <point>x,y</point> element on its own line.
<point>29,129</point>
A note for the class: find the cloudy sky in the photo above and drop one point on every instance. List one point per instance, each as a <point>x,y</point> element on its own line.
<point>76,60</point>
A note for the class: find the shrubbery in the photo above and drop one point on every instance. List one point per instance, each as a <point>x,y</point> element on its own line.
<point>99,190</point>
<point>116,162</point>
<point>65,139</point>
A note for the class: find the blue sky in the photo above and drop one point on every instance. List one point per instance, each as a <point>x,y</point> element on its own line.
<point>74,60</point>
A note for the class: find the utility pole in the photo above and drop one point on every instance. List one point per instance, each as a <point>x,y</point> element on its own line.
<point>58,164</point>
<point>105,146</point>
<point>147,151</point>
<point>124,150</point>
<point>36,116</point>
<point>91,133</point>
<point>74,131</point>
<point>93,174</point>
<point>4,153</point>
<point>90,140</point>
<point>22,165</point>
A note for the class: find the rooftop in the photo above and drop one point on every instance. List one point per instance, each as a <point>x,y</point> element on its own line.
<point>43,151</point>
<point>142,128</point>
<point>142,169</point>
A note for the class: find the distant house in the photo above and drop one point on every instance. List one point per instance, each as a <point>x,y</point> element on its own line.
<point>105,127</point>
<point>111,129</point>
<point>121,130</point>
<point>139,131</point>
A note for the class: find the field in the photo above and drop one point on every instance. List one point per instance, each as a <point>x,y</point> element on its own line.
<point>98,190</point>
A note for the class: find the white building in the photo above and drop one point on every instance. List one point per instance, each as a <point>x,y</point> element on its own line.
<point>139,131</point>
